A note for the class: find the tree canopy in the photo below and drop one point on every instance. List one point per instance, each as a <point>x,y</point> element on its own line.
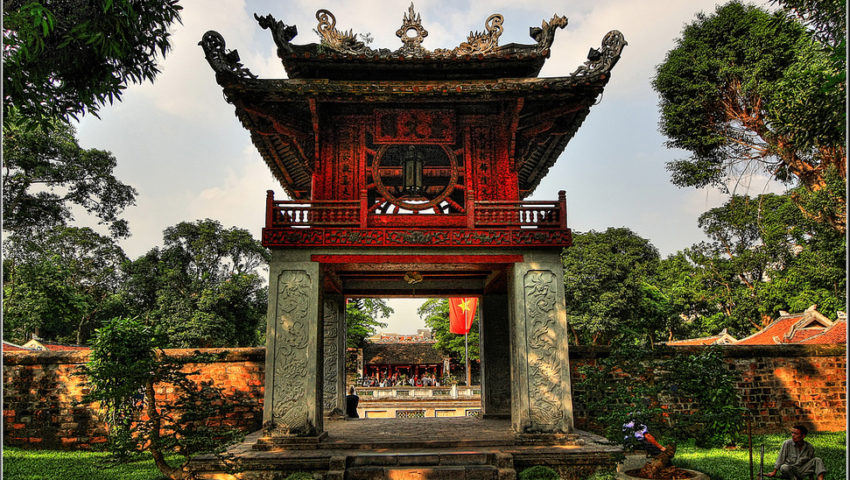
<point>65,58</point>
<point>201,289</point>
<point>608,278</point>
<point>763,256</point>
<point>62,285</point>
<point>435,313</point>
<point>743,92</point>
<point>363,318</point>
<point>47,174</point>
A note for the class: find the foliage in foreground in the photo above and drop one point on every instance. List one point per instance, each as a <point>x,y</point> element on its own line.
<point>63,59</point>
<point>124,365</point>
<point>734,464</point>
<point>539,472</point>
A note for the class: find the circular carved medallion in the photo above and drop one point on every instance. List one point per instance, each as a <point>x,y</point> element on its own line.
<point>415,177</point>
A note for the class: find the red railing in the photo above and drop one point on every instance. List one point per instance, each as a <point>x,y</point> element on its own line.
<point>347,213</point>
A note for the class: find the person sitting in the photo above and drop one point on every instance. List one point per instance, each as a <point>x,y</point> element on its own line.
<point>797,458</point>
<point>351,402</point>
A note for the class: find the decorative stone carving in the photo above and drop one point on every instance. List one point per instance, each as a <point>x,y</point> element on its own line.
<point>412,33</point>
<point>289,411</point>
<point>603,60</point>
<point>544,366</point>
<point>330,399</point>
<point>341,41</point>
<point>281,33</point>
<point>412,21</point>
<point>222,61</point>
<point>545,34</point>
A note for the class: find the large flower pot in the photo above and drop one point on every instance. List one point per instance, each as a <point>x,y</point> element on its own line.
<point>694,475</point>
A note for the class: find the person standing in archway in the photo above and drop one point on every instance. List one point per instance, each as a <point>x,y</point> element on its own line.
<point>351,402</point>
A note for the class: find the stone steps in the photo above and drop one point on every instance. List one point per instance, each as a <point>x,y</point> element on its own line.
<point>448,465</point>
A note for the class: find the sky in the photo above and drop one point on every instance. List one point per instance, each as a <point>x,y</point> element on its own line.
<point>180,145</point>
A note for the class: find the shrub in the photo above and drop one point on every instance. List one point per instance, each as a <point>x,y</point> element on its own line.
<point>539,472</point>
<point>635,382</point>
<point>124,365</point>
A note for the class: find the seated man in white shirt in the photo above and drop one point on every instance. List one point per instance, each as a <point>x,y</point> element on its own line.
<point>797,458</point>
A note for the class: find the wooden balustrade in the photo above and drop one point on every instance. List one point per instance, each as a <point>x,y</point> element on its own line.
<point>349,213</point>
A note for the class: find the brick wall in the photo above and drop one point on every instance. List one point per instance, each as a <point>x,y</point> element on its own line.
<point>43,390</point>
<point>781,384</point>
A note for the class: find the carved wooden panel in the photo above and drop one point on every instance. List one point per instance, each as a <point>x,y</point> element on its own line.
<point>436,237</point>
<point>289,409</point>
<point>346,181</point>
<point>394,126</point>
<point>542,335</point>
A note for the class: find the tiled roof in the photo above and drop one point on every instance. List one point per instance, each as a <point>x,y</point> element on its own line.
<point>38,344</point>
<point>60,347</point>
<point>11,347</point>
<point>791,328</point>
<point>695,341</point>
<point>777,329</point>
<point>401,354</point>
<point>835,334</point>
<point>721,338</point>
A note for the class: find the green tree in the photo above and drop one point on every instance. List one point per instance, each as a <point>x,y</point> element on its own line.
<point>743,92</point>
<point>125,364</point>
<point>64,58</point>
<point>61,285</point>
<point>611,291</point>
<point>763,256</point>
<point>201,288</point>
<point>46,174</point>
<point>435,313</point>
<point>362,319</point>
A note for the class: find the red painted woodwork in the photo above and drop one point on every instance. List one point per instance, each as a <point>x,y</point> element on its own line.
<point>431,237</point>
<point>429,259</point>
<point>466,193</point>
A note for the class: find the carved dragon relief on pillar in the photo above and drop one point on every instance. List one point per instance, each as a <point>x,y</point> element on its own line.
<point>289,410</point>
<point>544,364</point>
<point>331,393</point>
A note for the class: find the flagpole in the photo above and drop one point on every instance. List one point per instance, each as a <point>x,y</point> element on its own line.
<point>466,352</point>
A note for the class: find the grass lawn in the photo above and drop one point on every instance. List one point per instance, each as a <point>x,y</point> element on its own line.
<point>724,464</point>
<point>20,464</point>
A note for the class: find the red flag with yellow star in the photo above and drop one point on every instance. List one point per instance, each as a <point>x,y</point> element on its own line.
<point>461,314</point>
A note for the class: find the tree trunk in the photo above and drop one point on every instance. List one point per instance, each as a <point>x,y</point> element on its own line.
<point>179,473</point>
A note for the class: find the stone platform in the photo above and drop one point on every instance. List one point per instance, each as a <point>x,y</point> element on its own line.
<point>416,448</point>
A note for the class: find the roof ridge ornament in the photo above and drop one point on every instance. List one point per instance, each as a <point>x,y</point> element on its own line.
<point>603,60</point>
<point>545,33</point>
<point>412,44</point>
<point>345,42</point>
<point>224,62</point>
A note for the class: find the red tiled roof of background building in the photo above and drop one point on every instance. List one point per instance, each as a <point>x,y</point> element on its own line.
<point>60,347</point>
<point>776,329</point>
<point>721,338</point>
<point>38,344</point>
<point>836,334</point>
<point>790,328</point>
<point>11,347</point>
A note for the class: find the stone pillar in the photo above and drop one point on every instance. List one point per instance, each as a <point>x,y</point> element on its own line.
<point>334,356</point>
<point>541,397</point>
<point>494,333</point>
<point>293,390</point>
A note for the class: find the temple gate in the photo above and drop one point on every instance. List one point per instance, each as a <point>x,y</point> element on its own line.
<point>407,174</point>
